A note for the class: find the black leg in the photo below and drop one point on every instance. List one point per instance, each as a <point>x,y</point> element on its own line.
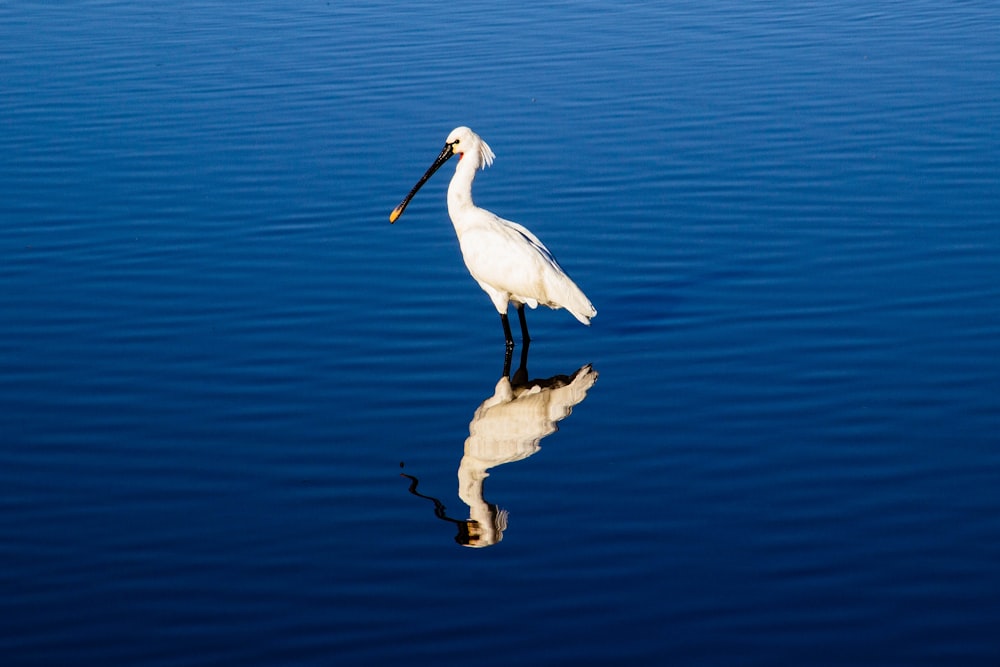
<point>506,361</point>
<point>525,338</point>
<point>506,330</point>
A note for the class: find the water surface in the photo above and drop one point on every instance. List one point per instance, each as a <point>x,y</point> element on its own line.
<point>243,419</point>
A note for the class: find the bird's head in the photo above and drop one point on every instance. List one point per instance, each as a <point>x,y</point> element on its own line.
<point>467,144</point>
<point>462,142</point>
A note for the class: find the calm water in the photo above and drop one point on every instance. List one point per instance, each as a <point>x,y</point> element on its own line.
<point>244,420</point>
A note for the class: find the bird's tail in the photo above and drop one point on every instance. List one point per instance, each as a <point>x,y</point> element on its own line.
<point>584,314</point>
<point>576,302</point>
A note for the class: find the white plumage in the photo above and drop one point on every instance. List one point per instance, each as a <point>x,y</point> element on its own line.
<point>505,258</point>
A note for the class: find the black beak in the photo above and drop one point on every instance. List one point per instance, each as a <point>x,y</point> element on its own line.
<point>446,153</point>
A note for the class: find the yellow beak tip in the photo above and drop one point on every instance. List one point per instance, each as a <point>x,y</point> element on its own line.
<point>393,215</point>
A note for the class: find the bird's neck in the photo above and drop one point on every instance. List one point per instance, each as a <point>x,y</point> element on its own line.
<point>460,189</point>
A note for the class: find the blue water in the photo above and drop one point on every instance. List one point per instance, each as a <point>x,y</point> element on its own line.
<point>244,420</point>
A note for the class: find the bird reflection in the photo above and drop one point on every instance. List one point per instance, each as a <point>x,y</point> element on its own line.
<point>507,427</point>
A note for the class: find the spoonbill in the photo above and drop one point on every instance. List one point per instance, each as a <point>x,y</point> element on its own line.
<point>507,260</point>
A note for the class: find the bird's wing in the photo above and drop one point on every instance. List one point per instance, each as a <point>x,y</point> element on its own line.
<point>532,239</point>
<point>546,282</point>
<point>508,258</point>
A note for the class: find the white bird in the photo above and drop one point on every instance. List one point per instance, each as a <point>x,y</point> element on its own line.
<point>507,260</point>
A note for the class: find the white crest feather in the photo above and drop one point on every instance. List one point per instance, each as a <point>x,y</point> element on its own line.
<point>486,154</point>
